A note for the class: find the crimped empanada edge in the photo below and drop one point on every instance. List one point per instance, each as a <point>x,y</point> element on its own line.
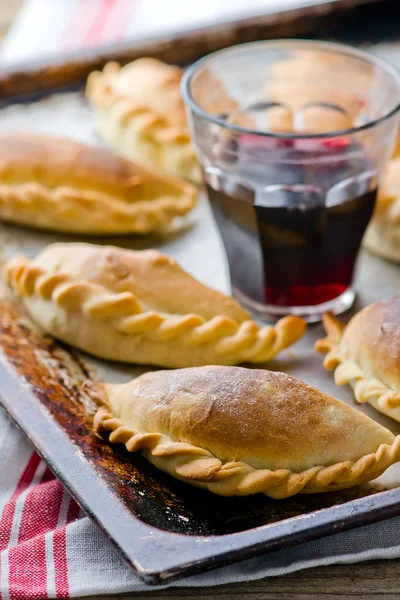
<point>101,95</point>
<point>104,214</point>
<point>197,466</point>
<point>366,389</point>
<point>231,341</point>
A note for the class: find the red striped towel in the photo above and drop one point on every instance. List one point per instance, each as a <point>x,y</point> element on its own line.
<point>48,548</point>
<point>33,524</point>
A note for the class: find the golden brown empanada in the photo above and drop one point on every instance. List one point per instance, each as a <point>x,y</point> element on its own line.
<point>238,431</point>
<point>141,115</point>
<point>383,234</point>
<point>54,183</point>
<point>140,307</point>
<point>308,79</point>
<point>366,354</point>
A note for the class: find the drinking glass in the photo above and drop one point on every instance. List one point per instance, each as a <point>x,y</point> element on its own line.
<point>293,138</point>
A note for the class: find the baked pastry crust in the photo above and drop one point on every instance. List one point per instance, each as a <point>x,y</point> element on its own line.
<point>383,234</point>
<point>140,307</point>
<point>237,431</point>
<point>366,354</point>
<point>141,115</point>
<point>59,184</point>
<point>295,83</point>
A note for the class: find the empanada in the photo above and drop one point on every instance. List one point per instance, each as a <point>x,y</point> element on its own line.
<point>320,90</point>
<point>141,115</point>
<point>54,183</point>
<point>383,234</point>
<point>237,431</point>
<point>366,354</point>
<point>140,307</point>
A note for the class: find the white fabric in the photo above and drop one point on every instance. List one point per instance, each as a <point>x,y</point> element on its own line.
<point>85,545</point>
<point>41,25</point>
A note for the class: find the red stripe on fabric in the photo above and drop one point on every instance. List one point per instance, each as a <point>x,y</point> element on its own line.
<point>7,517</point>
<point>27,560</point>
<point>73,511</point>
<point>28,474</point>
<point>60,552</point>
<point>121,22</point>
<point>97,26</point>
<point>41,510</point>
<point>77,18</point>
<point>60,562</point>
<point>27,564</point>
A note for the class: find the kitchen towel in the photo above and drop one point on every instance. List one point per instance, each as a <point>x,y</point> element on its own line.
<point>49,549</point>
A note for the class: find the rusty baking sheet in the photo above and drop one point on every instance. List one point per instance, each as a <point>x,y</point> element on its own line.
<point>163,528</point>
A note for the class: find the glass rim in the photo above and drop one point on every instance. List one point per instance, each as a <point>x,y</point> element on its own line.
<point>338,48</point>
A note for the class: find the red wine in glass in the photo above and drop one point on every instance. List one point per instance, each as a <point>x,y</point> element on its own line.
<point>292,231</point>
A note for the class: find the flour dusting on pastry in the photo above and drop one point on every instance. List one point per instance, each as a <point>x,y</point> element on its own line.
<point>238,431</point>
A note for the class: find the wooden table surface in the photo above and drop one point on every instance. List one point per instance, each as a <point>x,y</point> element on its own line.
<point>362,581</point>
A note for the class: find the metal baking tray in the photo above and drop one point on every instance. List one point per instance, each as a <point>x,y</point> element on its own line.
<point>163,528</point>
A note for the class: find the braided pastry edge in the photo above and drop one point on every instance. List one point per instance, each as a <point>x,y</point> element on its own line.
<point>229,342</point>
<point>101,94</point>
<point>35,205</point>
<point>366,389</point>
<point>201,468</point>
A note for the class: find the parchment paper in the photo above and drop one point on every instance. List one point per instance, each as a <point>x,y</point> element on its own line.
<point>198,249</point>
